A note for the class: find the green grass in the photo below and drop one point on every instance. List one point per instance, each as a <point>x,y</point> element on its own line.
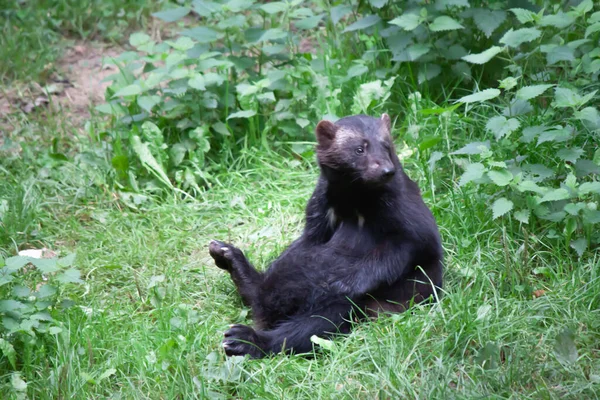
<point>32,34</point>
<point>518,318</point>
<point>162,335</point>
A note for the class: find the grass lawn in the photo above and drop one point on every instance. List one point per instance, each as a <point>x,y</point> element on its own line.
<point>518,317</point>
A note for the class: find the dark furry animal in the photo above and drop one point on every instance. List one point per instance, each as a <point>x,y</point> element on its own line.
<point>367,231</point>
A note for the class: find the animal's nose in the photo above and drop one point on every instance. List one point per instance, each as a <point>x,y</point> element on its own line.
<point>389,172</point>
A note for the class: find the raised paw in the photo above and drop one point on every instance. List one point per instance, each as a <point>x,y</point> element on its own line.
<point>241,340</point>
<point>222,254</point>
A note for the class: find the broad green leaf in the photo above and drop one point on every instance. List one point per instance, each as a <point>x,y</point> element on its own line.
<point>71,275</point>
<point>309,23</point>
<point>242,114</point>
<point>221,129</point>
<point>531,92</point>
<point>579,245</point>
<point>564,347</point>
<point>172,15</point>
<point>428,72</point>
<point>595,159</point>
<point>378,3</point>
<point>571,154</point>
<point>531,132</point>
<point>484,95</point>
<point>143,152</point>
<point>67,260</point>
<point>213,79</point>
<point>500,126</point>
<point>138,39</point>
<point>584,7</point>
<point>197,82</point>
<point>10,305</point>
<point>488,20</point>
<point>555,195</point>
<point>408,22</point>
<point>473,172</point>
<point>500,177</point>
<point>130,90</point>
<point>147,102</point>
<point>520,36</point>
<point>45,265</point>
<point>45,291</point>
<point>206,8</point>
<point>589,114</point>
<point>560,20</point>
<point>573,208</point>
<point>183,43</point>
<point>21,291</point>
<point>9,352</point>
<point>272,34</point>
<point>363,23</point>
<point>473,148</point>
<point>177,153</point>
<point>522,216</point>
<point>556,53</point>
<point>445,23</point>
<point>530,186</point>
<point>416,51</point>
<point>485,56</point>
<point>15,263</point>
<point>442,5</point>
<point>274,7</point>
<point>339,12</point>
<point>202,34</point>
<point>565,97</point>
<point>595,17</point>
<point>236,21</point>
<point>501,207</point>
<point>554,135</point>
<point>357,70</point>
<point>590,30</point>
<point>508,83</point>
<point>524,16</point>
<point>589,187</point>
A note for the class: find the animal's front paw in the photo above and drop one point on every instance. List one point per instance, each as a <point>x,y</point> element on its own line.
<point>222,254</point>
<point>241,340</point>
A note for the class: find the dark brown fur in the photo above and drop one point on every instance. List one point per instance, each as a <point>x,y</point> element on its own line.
<point>370,244</point>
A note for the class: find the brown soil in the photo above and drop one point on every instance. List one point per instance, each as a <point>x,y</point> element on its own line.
<point>77,86</point>
<point>82,67</point>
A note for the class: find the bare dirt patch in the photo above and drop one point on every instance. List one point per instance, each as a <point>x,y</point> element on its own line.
<point>69,94</point>
<point>84,71</point>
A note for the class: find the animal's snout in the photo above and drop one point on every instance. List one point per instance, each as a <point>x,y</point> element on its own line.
<point>388,172</point>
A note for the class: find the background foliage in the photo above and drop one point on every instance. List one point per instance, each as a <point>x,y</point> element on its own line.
<point>207,130</point>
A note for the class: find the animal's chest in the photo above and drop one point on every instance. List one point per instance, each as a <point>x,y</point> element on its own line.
<point>354,237</point>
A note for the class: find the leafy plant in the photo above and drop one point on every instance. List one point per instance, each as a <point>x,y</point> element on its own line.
<point>544,165</point>
<point>31,302</point>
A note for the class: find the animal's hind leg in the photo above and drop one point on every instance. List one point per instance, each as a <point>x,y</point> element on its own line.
<point>424,284</point>
<point>291,335</point>
<point>245,277</point>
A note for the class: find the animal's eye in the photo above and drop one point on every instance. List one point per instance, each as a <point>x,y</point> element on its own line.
<point>360,150</point>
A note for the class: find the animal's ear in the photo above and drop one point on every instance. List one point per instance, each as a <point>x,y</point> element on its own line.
<point>325,132</point>
<point>387,122</point>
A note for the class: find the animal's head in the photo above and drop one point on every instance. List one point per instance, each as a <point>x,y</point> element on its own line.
<point>357,148</point>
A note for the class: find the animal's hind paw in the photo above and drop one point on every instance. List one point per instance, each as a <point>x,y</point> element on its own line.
<point>241,340</point>
<point>221,253</point>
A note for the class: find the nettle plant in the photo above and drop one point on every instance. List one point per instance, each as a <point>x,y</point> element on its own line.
<point>240,77</point>
<point>32,302</point>
<point>543,166</point>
